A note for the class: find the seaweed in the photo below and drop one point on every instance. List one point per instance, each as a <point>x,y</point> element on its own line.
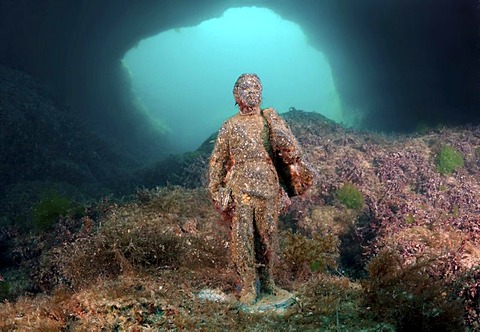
<point>303,256</point>
<point>413,295</point>
<point>350,196</point>
<point>50,207</point>
<point>448,160</point>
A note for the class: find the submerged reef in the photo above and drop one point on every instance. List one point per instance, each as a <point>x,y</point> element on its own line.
<point>399,245</point>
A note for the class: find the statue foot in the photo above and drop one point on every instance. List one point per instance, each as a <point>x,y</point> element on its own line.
<point>268,287</point>
<point>248,297</point>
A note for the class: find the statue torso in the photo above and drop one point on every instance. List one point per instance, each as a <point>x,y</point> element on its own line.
<point>251,169</point>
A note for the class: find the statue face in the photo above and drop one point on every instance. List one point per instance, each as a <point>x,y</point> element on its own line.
<point>248,91</point>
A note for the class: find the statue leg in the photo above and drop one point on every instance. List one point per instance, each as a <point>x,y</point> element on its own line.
<point>266,241</point>
<point>243,250</point>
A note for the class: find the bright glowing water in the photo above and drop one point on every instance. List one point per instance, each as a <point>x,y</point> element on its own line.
<point>185,76</point>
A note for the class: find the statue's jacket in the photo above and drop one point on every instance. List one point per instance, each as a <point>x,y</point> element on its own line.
<point>250,153</point>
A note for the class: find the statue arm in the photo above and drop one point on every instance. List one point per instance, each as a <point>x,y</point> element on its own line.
<point>296,173</point>
<point>283,142</point>
<point>218,170</point>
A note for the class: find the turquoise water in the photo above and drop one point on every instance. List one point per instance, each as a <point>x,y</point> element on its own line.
<point>185,76</point>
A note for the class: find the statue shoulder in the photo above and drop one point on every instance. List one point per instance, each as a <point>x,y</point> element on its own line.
<point>274,120</point>
<point>228,123</point>
<point>269,112</point>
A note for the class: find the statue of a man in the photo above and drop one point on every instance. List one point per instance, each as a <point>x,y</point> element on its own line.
<point>247,189</point>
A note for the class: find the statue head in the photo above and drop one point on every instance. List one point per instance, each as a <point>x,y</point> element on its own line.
<point>248,93</point>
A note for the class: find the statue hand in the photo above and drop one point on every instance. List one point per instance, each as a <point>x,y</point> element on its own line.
<point>285,201</point>
<point>225,200</point>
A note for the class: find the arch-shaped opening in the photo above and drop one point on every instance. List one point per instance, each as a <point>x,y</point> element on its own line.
<point>184,77</point>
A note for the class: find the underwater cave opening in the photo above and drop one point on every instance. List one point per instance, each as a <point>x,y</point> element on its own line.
<point>184,77</point>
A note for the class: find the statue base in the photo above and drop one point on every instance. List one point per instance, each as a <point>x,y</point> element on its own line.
<point>271,303</point>
<point>277,303</point>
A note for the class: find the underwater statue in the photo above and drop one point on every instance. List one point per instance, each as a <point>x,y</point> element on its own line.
<point>254,168</point>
